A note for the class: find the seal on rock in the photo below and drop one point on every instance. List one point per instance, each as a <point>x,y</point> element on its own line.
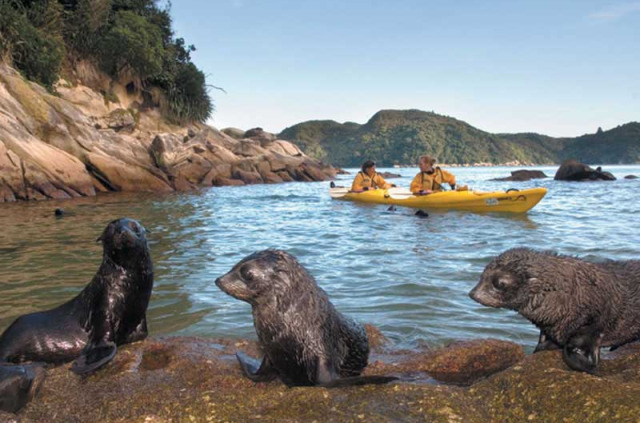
<point>305,340</point>
<point>18,384</point>
<point>578,306</point>
<point>110,311</point>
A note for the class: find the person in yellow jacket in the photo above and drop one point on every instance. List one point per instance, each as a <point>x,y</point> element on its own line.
<point>431,177</point>
<point>368,179</point>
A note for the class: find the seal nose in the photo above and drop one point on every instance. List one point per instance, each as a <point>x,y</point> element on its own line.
<point>472,293</point>
<point>220,282</point>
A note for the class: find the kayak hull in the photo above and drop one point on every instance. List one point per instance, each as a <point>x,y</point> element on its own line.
<point>474,201</point>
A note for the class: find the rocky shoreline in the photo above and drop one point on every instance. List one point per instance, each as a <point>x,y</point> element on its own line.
<point>189,379</point>
<point>80,142</point>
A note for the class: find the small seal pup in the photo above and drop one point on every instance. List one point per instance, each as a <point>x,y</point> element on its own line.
<point>305,340</point>
<point>578,306</point>
<point>110,311</point>
<point>18,384</point>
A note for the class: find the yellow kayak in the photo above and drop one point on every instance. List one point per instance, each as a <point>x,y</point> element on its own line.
<point>512,201</point>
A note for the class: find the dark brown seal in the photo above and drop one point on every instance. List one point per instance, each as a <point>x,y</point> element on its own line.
<point>578,305</point>
<point>305,340</point>
<point>110,311</point>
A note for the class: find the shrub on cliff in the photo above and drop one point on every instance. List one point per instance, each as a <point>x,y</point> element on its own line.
<point>131,38</point>
<point>132,42</point>
<point>36,52</point>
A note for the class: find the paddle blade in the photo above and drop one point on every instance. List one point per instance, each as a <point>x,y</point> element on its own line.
<point>338,192</point>
<point>399,193</point>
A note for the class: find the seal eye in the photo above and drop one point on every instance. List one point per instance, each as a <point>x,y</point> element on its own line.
<point>501,283</point>
<point>248,274</point>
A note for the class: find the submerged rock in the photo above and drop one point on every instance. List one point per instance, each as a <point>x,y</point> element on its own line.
<point>523,175</point>
<point>178,379</point>
<point>631,177</point>
<point>389,175</point>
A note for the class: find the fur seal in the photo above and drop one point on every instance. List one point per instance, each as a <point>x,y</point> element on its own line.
<point>110,311</point>
<point>305,340</point>
<point>18,384</point>
<point>578,306</point>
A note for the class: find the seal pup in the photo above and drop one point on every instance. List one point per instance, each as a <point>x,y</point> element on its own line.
<point>110,311</point>
<point>19,384</point>
<point>578,306</point>
<point>305,340</point>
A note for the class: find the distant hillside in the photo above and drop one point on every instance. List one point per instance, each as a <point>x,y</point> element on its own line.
<point>619,145</point>
<point>401,136</point>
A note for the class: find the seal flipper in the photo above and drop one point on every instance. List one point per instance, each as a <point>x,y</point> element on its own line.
<point>255,370</point>
<point>19,384</point>
<point>94,357</point>
<point>327,378</point>
<point>545,344</point>
<point>139,333</point>
<point>582,351</point>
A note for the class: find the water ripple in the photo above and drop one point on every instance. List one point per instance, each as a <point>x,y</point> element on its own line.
<point>408,276</point>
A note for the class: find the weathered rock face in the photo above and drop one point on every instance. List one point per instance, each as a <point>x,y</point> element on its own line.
<point>571,170</point>
<point>186,379</point>
<point>523,175</point>
<point>77,144</point>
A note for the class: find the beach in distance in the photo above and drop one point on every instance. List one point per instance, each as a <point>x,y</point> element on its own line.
<point>407,276</point>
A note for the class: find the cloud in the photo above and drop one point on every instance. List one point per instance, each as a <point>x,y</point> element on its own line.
<point>615,12</point>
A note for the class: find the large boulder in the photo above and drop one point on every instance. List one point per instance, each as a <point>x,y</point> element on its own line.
<point>523,175</point>
<point>120,120</point>
<point>248,177</point>
<point>572,170</point>
<point>234,133</point>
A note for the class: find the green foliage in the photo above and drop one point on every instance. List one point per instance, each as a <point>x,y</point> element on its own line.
<point>86,24</point>
<point>402,136</point>
<point>187,97</point>
<point>620,145</point>
<point>131,38</point>
<point>37,53</point>
<point>134,43</point>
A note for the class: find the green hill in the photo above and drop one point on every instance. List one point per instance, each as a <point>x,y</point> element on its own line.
<point>401,136</point>
<point>619,145</point>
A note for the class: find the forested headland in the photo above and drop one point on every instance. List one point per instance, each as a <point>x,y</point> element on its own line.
<point>401,136</point>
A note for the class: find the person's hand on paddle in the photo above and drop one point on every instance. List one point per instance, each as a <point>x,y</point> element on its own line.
<point>365,188</point>
<point>393,185</point>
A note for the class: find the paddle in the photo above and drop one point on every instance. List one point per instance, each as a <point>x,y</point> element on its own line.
<point>338,192</point>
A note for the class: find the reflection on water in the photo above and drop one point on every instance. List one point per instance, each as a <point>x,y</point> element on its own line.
<point>406,275</point>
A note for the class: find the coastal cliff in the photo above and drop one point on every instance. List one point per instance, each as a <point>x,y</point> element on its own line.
<point>78,142</point>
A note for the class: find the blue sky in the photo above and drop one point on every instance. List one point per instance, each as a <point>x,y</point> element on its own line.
<point>561,68</point>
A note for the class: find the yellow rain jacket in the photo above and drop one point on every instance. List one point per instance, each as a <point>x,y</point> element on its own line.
<point>363,180</point>
<point>423,181</point>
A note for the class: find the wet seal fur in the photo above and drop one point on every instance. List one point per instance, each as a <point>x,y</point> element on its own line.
<point>578,306</point>
<point>110,311</point>
<point>18,384</point>
<point>305,340</point>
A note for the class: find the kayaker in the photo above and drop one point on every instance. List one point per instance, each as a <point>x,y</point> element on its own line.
<point>431,177</point>
<point>368,179</point>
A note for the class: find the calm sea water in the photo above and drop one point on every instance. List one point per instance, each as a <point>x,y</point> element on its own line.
<point>406,275</point>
